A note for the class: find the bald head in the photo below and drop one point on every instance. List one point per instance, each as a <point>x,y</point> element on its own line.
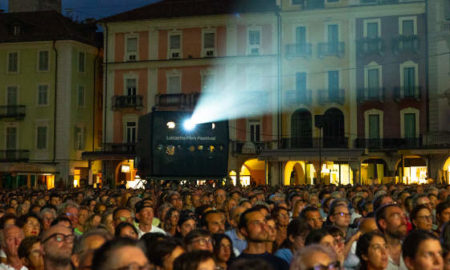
<point>368,225</point>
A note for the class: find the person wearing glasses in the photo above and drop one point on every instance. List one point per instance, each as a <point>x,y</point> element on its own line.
<point>422,218</point>
<point>372,251</point>
<point>120,254</point>
<point>315,257</point>
<point>198,239</point>
<point>340,216</point>
<point>422,250</point>
<point>11,237</point>
<point>57,246</point>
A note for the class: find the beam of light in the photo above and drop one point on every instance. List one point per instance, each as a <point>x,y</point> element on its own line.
<point>225,99</point>
<point>189,125</point>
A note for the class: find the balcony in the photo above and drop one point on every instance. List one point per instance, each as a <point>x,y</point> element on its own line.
<point>331,49</point>
<point>337,96</point>
<point>406,44</point>
<point>370,46</point>
<point>14,155</point>
<point>371,94</point>
<point>378,2</point>
<point>404,93</point>
<point>242,147</point>
<point>112,151</point>
<point>299,50</point>
<point>123,102</point>
<point>297,97</point>
<point>316,143</point>
<point>177,100</point>
<point>12,111</point>
<point>388,143</point>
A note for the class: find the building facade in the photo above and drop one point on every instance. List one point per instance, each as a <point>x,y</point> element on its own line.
<point>48,78</point>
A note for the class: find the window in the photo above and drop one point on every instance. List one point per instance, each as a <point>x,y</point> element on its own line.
<point>13,62</point>
<point>208,82</point>
<point>11,95</point>
<point>80,96</point>
<point>11,138</point>
<point>81,61</point>
<point>173,84</point>
<point>372,29</point>
<point>131,132</point>
<point>79,138</point>
<point>333,84</point>
<point>300,82</point>
<point>297,2</point>
<point>43,61</point>
<point>16,30</point>
<point>131,54</point>
<point>41,138</point>
<point>410,125</point>
<point>408,27</point>
<point>300,35</point>
<point>255,130</point>
<point>174,46</point>
<point>333,33</point>
<point>42,95</point>
<point>209,41</point>
<point>254,41</point>
<point>409,81</point>
<point>373,82</point>
<point>374,126</point>
<point>131,87</point>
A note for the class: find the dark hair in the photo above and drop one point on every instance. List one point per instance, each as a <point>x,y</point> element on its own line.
<point>416,210</point>
<point>103,256</point>
<point>417,197</point>
<point>209,212</point>
<point>191,260</point>
<point>25,246</point>
<point>149,239</point>
<point>5,218</point>
<point>380,213</point>
<point>362,246</point>
<point>276,211</point>
<point>123,225</point>
<point>297,227</point>
<point>217,240</point>
<point>161,248</point>
<point>61,218</point>
<point>120,209</point>
<point>441,207</point>
<point>24,219</point>
<point>194,234</point>
<point>445,236</point>
<point>243,219</point>
<point>377,201</point>
<point>335,204</point>
<point>315,236</point>
<point>413,240</point>
<point>79,244</point>
<point>250,264</point>
<point>306,210</point>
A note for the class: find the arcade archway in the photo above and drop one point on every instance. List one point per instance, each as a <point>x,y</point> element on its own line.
<point>251,172</point>
<point>373,170</point>
<point>295,173</point>
<point>414,170</point>
<point>446,171</point>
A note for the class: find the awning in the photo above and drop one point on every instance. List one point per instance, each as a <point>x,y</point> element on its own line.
<point>32,168</point>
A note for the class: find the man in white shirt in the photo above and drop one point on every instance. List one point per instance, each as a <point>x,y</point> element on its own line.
<point>144,215</point>
<point>11,239</point>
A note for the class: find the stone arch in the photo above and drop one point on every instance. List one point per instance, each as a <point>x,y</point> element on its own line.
<point>333,128</point>
<point>301,128</point>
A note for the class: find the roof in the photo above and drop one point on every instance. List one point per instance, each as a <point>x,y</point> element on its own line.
<point>44,26</point>
<point>187,8</point>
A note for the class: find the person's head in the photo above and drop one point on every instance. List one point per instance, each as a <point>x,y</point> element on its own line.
<point>47,214</point>
<point>120,253</point>
<point>321,236</point>
<point>198,239</point>
<point>235,215</point>
<point>125,229</point>
<point>339,215</point>
<point>281,216</point>
<point>58,243</point>
<point>419,199</point>
<point>87,242</point>
<point>312,216</point>
<point>372,251</point>
<point>422,218</point>
<point>174,198</point>
<point>11,238</point>
<point>70,209</point>
<point>122,214</point>
<point>55,199</point>
<point>30,224</point>
<point>367,225</point>
<point>186,224</point>
<point>164,252</point>
<point>30,253</point>
<point>315,257</point>
<point>392,221</point>
<point>252,225</point>
<point>421,250</point>
<point>223,248</point>
<point>214,221</point>
<point>195,260</point>
<point>144,212</point>
<point>443,212</point>
<point>171,218</point>
<point>382,199</point>
<point>220,196</point>
<point>297,231</point>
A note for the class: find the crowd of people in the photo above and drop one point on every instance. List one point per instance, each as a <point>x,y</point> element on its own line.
<point>188,227</point>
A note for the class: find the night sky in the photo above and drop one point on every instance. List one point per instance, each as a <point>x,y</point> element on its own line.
<point>82,9</point>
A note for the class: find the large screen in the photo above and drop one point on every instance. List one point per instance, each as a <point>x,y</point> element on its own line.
<point>168,148</point>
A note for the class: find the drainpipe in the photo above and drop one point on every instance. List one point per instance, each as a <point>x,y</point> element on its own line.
<point>97,57</point>
<point>105,84</point>
<point>279,94</point>
<point>55,101</point>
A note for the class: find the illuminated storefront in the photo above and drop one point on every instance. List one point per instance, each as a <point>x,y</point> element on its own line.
<point>414,171</point>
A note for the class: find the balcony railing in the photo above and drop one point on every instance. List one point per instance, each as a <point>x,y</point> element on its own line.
<point>14,155</point>
<point>404,43</point>
<point>437,140</point>
<point>388,143</point>
<point>369,46</point>
<point>177,100</point>
<point>402,93</point>
<point>119,148</point>
<point>309,142</point>
<point>241,147</point>
<point>297,97</point>
<point>327,96</point>
<point>331,49</point>
<point>121,102</point>
<point>12,111</point>
<point>370,94</point>
<point>379,2</point>
<point>299,50</point>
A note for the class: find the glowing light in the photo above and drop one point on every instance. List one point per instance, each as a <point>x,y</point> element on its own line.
<point>189,125</point>
<point>125,168</point>
<point>171,125</point>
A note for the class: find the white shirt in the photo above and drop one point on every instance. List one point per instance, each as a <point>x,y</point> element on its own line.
<point>393,266</point>
<point>154,229</point>
<point>9,267</point>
